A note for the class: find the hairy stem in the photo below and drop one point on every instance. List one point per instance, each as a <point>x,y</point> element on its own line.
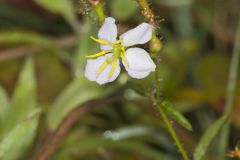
<point>156,100</point>
<point>173,133</point>
<point>155,46</point>
<point>147,12</point>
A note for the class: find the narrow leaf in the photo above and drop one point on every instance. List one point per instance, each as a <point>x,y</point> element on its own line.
<point>63,7</point>
<point>77,92</point>
<point>22,36</point>
<point>24,97</point>
<point>208,136</point>
<point>20,137</point>
<point>176,115</point>
<point>4,105</point>
<point>91,143</point>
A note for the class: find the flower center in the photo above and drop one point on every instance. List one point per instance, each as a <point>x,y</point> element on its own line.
<point>118,52</point>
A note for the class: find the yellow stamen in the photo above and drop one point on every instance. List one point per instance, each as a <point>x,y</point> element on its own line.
<point>101,41</point>
<point>123,49</point>
<point>124,59</point>
<point>118,41</point>
<point>114,64</point>
<point>96,55</point>
<point>103,66</point>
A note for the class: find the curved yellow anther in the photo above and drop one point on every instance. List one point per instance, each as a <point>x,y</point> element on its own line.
<point>114,64</point>
<point>96,55</point>
<point>101,41</point>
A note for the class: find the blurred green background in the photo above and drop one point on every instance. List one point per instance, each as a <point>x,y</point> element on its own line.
<point>42,49</point>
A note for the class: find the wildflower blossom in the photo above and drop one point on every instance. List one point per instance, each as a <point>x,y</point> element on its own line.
<point>104,67</point>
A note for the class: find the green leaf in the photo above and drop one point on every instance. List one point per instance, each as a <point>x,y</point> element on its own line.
<point>21,117</point>
<point>129,131</point>
<point>22,36</point>
<point>77,92</point>
<point>24,97</point>
<point>208,136</point>
<point>4,105</point>
<point>64,7</point>
<point>176,115</point>
<point>123,9</point>
<point>91,143</point>
<point>20,137</point>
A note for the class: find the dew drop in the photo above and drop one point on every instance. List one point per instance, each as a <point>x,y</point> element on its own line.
<point>107,134</point>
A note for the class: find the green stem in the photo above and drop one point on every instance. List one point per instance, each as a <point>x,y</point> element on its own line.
<point>173,133</point>
<point>233,72</point>
<point>97,6</point>
<point>155,46</point>
<point>182,21</point>
<point>100,12</point>
<point>230,93</point>
<point>156,99</point>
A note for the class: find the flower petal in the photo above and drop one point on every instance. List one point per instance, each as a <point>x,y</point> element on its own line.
<point>108,32</point>
<point>138,35</point>
<point>139,74</point>
<point>140,63</point>
<point>93,66</point>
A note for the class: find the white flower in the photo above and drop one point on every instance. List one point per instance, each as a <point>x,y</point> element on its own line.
<point>104,67</point>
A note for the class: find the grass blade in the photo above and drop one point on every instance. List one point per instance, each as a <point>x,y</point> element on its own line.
<point>208,136</point>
